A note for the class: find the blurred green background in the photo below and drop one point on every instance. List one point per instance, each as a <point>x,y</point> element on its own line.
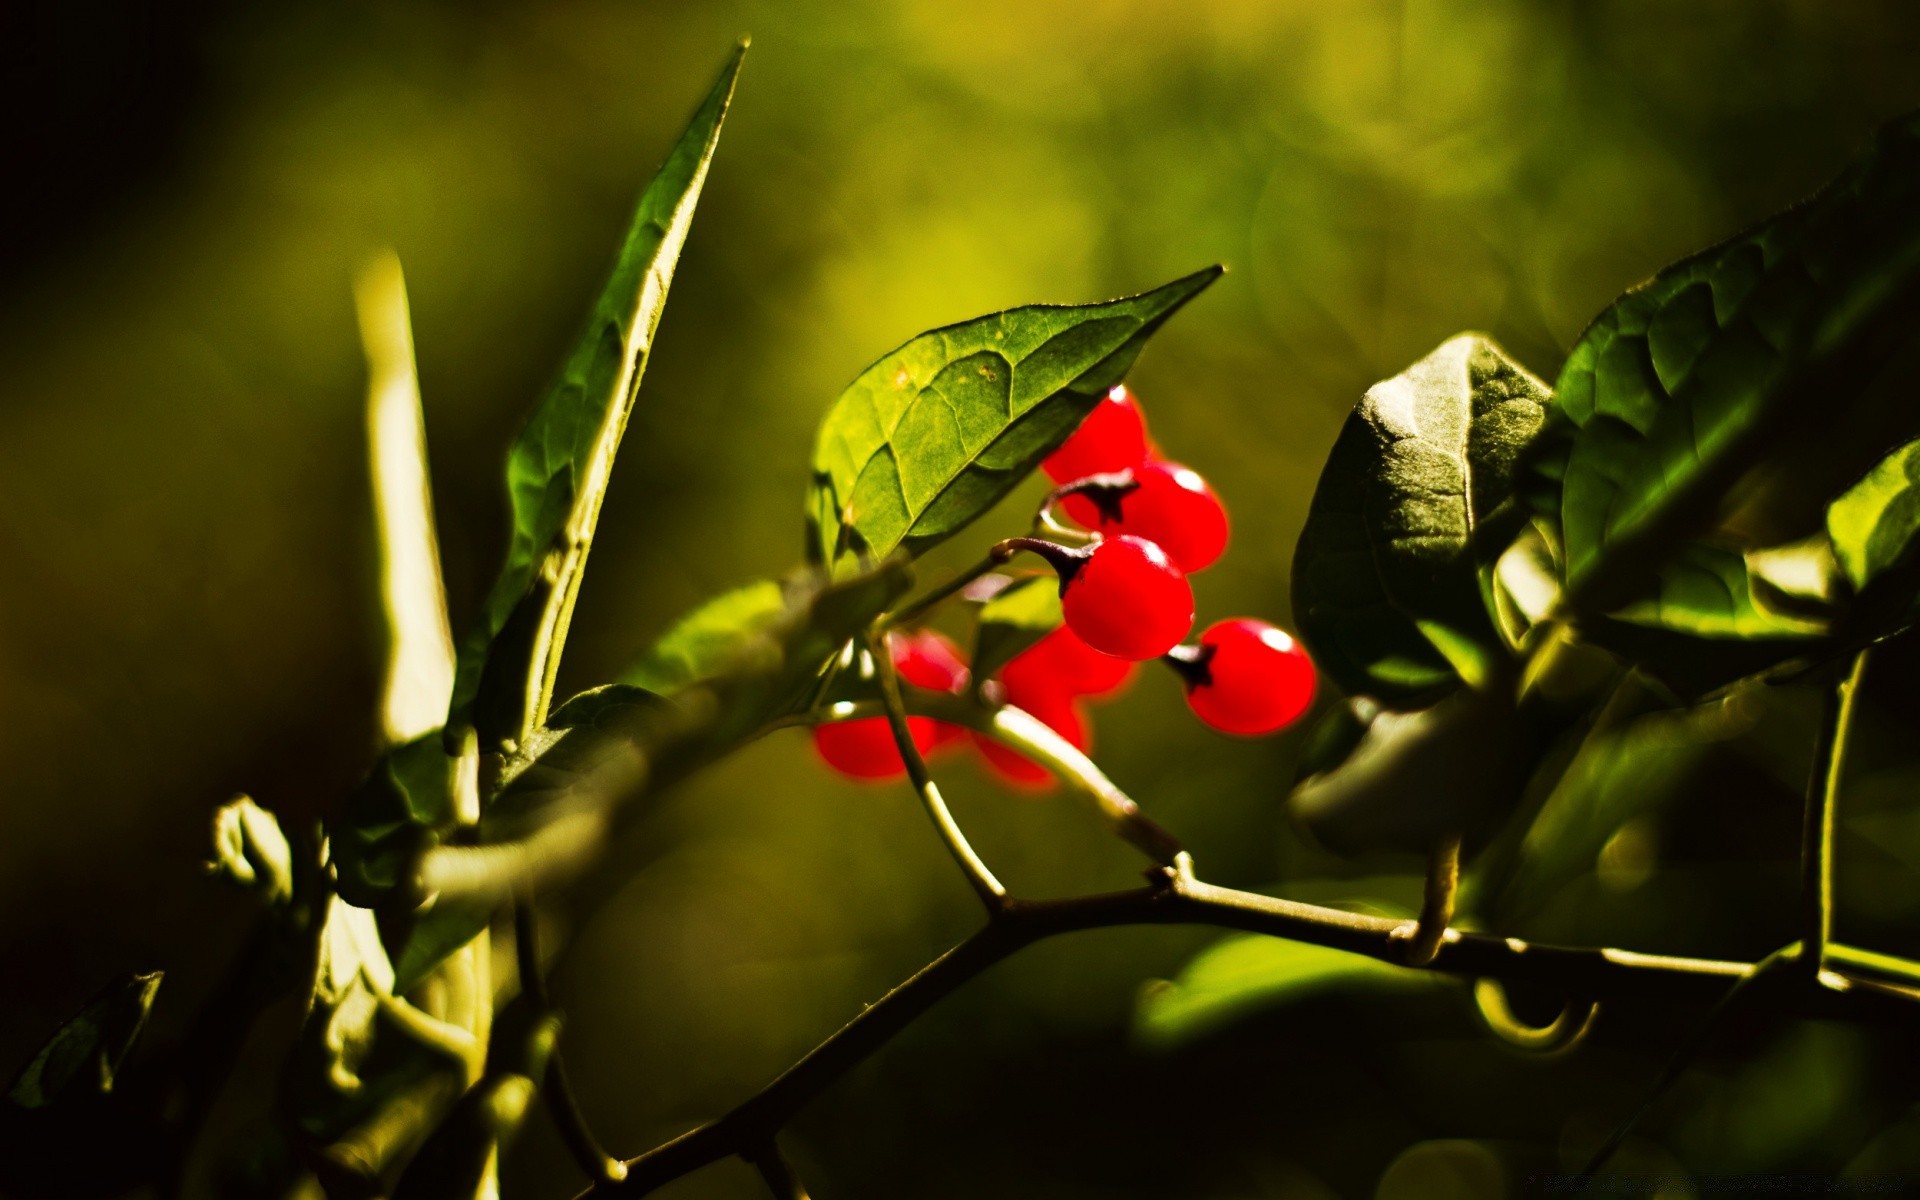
<point>185,603</point>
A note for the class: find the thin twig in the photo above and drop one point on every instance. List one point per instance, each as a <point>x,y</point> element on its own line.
<point>1816,835</point>
<point>1682,1056</point>
<point>776,1171</point>
<point>991,892</point>
<point>1424,935</point>
<point>568,1117</point>
<point>910,613</point>
<point>1178,899</point>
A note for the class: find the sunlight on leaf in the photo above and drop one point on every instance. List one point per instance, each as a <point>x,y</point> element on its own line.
<point>934,434</point>
<point>558,470</point>
<point>1386,578</point>
<point>1248,974</point>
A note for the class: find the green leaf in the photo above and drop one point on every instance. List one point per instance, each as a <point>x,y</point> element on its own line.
<point>1414,777</point>
<point>932,435</point>
<point>558,469</point>
<point>710,640</point>
<point>1875,523</point>
<point>1019,615</point>
<point>83,1058</point>
<point>1248,974</point>
<point>1675,392</point>
<point>251,851</point>
<point>1387,576</point>
<point>404,805</point>
<point>419,650</point>
<point>1709,591</point>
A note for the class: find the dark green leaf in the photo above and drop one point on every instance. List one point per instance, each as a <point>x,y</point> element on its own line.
<point>250,850</point>
<point>1874,524</point>
<point>1417,776</point>
<point>710,640</point>
<point>558,469</point>
<point>82,1059</point>
<point>1675,392</point>
<point>402,807</point>
<point>1247,974</point>
<point>1387,576</point>
<point>1022,613</point>
<point>932,435</point>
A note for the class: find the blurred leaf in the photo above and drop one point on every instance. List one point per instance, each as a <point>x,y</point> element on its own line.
<point>1707,591</point>
<point>1673,392</point>
<point>1019,615</point>
<point>1417,776</point>
<point>1873,528</point>
<point>1248,974</point>
<point>371,1075</point>
<point>1386,578</point>
<point>419,655</point>
<point>1335,735</point>
<point>934,434</point>
<point>558,469</point>
<point>250,850</point>
<point>711,639</point>
<point>462,1156</point>
<point>402,807</point>
<point>82,1059</point>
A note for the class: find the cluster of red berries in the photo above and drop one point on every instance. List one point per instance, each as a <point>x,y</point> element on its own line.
<point>1125,598</point>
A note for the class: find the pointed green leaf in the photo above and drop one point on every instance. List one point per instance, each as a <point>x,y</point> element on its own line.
<point>932,435</point>
<point>1019,615</point>
<point>1386,579</point>
<point>558,469</point>
<point>1709,591</point>
<point>413,600</point>
<point>709,640</point>
<point>1676,391</point>
<point>1874,525</point>
<point>82,1059</point>
<point>1247,974</point>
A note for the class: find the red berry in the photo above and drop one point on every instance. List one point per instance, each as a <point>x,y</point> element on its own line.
<point>1250,678</point>
<point>1053,708</point>
<point>1128,599</point>
<point>865,749</point>
<point>925,659</point>
<point>1069,665</point>
<point>1112,437</point>
<point>1173,506</point>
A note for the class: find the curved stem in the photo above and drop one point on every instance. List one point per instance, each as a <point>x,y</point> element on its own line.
<point>990,890</point>
<point>1424,935</point>
<point>568,1117</point>
<point>1816,835</point>
<point>1175,898</point>
<point>911,613</point>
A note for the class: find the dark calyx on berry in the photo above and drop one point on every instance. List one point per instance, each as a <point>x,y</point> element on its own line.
<point>1245,676</point>
<point>1168,504</point>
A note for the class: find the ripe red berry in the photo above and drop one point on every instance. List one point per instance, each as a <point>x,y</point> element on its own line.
<point>1067,664</point>
<point>1112,437</point>
<point>1249,677</point>
<point>1172,506</point>
<point>1055,709</point>
<point>1127,598</point>
<point>865,749</point>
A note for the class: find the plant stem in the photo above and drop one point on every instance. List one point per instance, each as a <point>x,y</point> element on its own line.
<point>1176,898</point>
<point>1424,936</point>
<point>1816,834</point>
<point>919,608</point>
<point>777,1172</point>
<point>568,1118</point>
<point>991,892</point>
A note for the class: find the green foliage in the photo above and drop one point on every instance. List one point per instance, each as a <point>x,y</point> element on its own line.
<point>558,470</point>
<point>82,1060</point>
<point>403,806</point>
<point>1873,524</point>
<point>1386,578</point>
<point>1017,616</point>
<point>711,639</point>
<point>932,435</point>
<point>1675,392</point>
<point>1246,974</point>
